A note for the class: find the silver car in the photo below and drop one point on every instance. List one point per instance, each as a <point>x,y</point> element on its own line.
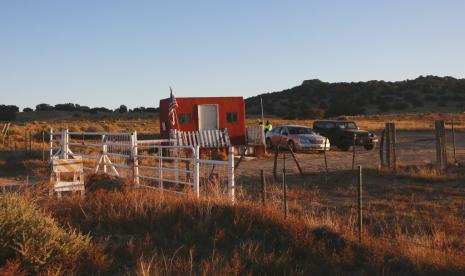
<point>298,138</point>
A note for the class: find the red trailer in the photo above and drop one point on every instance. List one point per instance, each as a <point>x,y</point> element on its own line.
<point>202,113</point>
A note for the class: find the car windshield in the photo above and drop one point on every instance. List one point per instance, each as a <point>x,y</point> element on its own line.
<point>300,130</point>
<point>347,125</point>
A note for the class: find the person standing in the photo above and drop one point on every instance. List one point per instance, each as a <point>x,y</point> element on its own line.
<point>268,126</point>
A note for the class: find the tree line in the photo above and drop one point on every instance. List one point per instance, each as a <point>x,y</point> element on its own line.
<point>8,112</point>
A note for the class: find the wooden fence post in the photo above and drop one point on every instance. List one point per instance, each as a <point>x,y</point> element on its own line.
<point>441,152</point>
<point>453,143</point>
<point>381,149</point>
<point>296,161</point>
<point>388,145</point>
<point>394,145</point>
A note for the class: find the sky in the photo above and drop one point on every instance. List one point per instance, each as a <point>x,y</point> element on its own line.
<point>107,53</point>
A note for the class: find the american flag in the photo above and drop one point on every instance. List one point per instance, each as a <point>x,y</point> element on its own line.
<point>172,109</point>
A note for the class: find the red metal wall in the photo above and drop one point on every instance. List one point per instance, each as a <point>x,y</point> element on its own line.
<point>236,131</point>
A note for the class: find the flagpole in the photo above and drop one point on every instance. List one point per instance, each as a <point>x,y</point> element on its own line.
<point>263,117</point>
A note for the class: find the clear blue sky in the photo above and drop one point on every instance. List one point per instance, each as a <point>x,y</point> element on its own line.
<point>106,53</point>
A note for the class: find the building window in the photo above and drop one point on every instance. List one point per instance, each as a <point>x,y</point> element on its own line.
<point>231,117</point>
<point>184,119</point>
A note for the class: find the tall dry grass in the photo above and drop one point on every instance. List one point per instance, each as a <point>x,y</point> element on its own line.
<point>147,232</point>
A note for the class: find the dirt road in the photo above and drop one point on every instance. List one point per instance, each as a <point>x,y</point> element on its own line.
<point>414,148</point>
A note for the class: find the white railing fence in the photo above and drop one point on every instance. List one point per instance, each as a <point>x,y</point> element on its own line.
<point>153,164</point>
<point>211,138</point>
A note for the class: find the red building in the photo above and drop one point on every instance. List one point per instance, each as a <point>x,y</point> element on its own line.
<point>207,113</point>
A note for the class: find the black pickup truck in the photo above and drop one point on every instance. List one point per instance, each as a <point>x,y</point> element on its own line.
<point>342,134</point>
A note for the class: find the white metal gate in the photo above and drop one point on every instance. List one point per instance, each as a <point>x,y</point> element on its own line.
<point>155,164</point>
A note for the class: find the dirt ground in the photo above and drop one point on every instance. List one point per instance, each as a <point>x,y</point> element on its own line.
<point>414,148</point>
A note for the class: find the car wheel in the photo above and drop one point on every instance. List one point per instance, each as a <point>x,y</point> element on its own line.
<point>292,146</point>
<point>369,146</point>
<point>269,145</point>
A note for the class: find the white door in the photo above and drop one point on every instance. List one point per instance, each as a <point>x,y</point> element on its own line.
<point>208,116</point>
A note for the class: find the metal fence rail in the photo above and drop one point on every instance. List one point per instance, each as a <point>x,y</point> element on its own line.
<point>154,164</point>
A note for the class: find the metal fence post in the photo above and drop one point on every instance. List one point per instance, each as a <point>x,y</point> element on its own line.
<point>160,165</point>
<point>64,143</point>
<point>104,153</point>
<point>359,204</point>
<point>196,158</point>
<point>51,145</point>
<point>284,186</point>
<point>231,174</point>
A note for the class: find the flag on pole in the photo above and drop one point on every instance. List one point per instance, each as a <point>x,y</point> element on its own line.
<point>172,109</point>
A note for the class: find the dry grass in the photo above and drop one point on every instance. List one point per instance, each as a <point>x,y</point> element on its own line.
<point>150,233</point>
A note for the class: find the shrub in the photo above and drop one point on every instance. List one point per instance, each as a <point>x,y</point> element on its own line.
<point>8,112</point>
<point>34,238</point>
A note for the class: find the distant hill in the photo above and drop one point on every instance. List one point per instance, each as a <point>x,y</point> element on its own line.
<point>315,99</point>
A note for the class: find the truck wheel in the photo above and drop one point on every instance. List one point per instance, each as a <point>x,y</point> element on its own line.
<point>369,146</point>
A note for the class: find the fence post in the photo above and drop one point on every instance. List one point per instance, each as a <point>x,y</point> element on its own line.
<point>284,186</point>
<point>64,143</point>
<point>196,171</point>
<point>353,153</point>
<point>394,145</point>
<point>51,145</point>
<point>104,153</point>
<point>441,154</point>
<point>359,204</point>
<point>388,145</point>
<point>135,160</point>
<point>381,149</point>
<point>453,143</point>
<point>231,174</point>
<point>160,165</point>
<point>263,190</point>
